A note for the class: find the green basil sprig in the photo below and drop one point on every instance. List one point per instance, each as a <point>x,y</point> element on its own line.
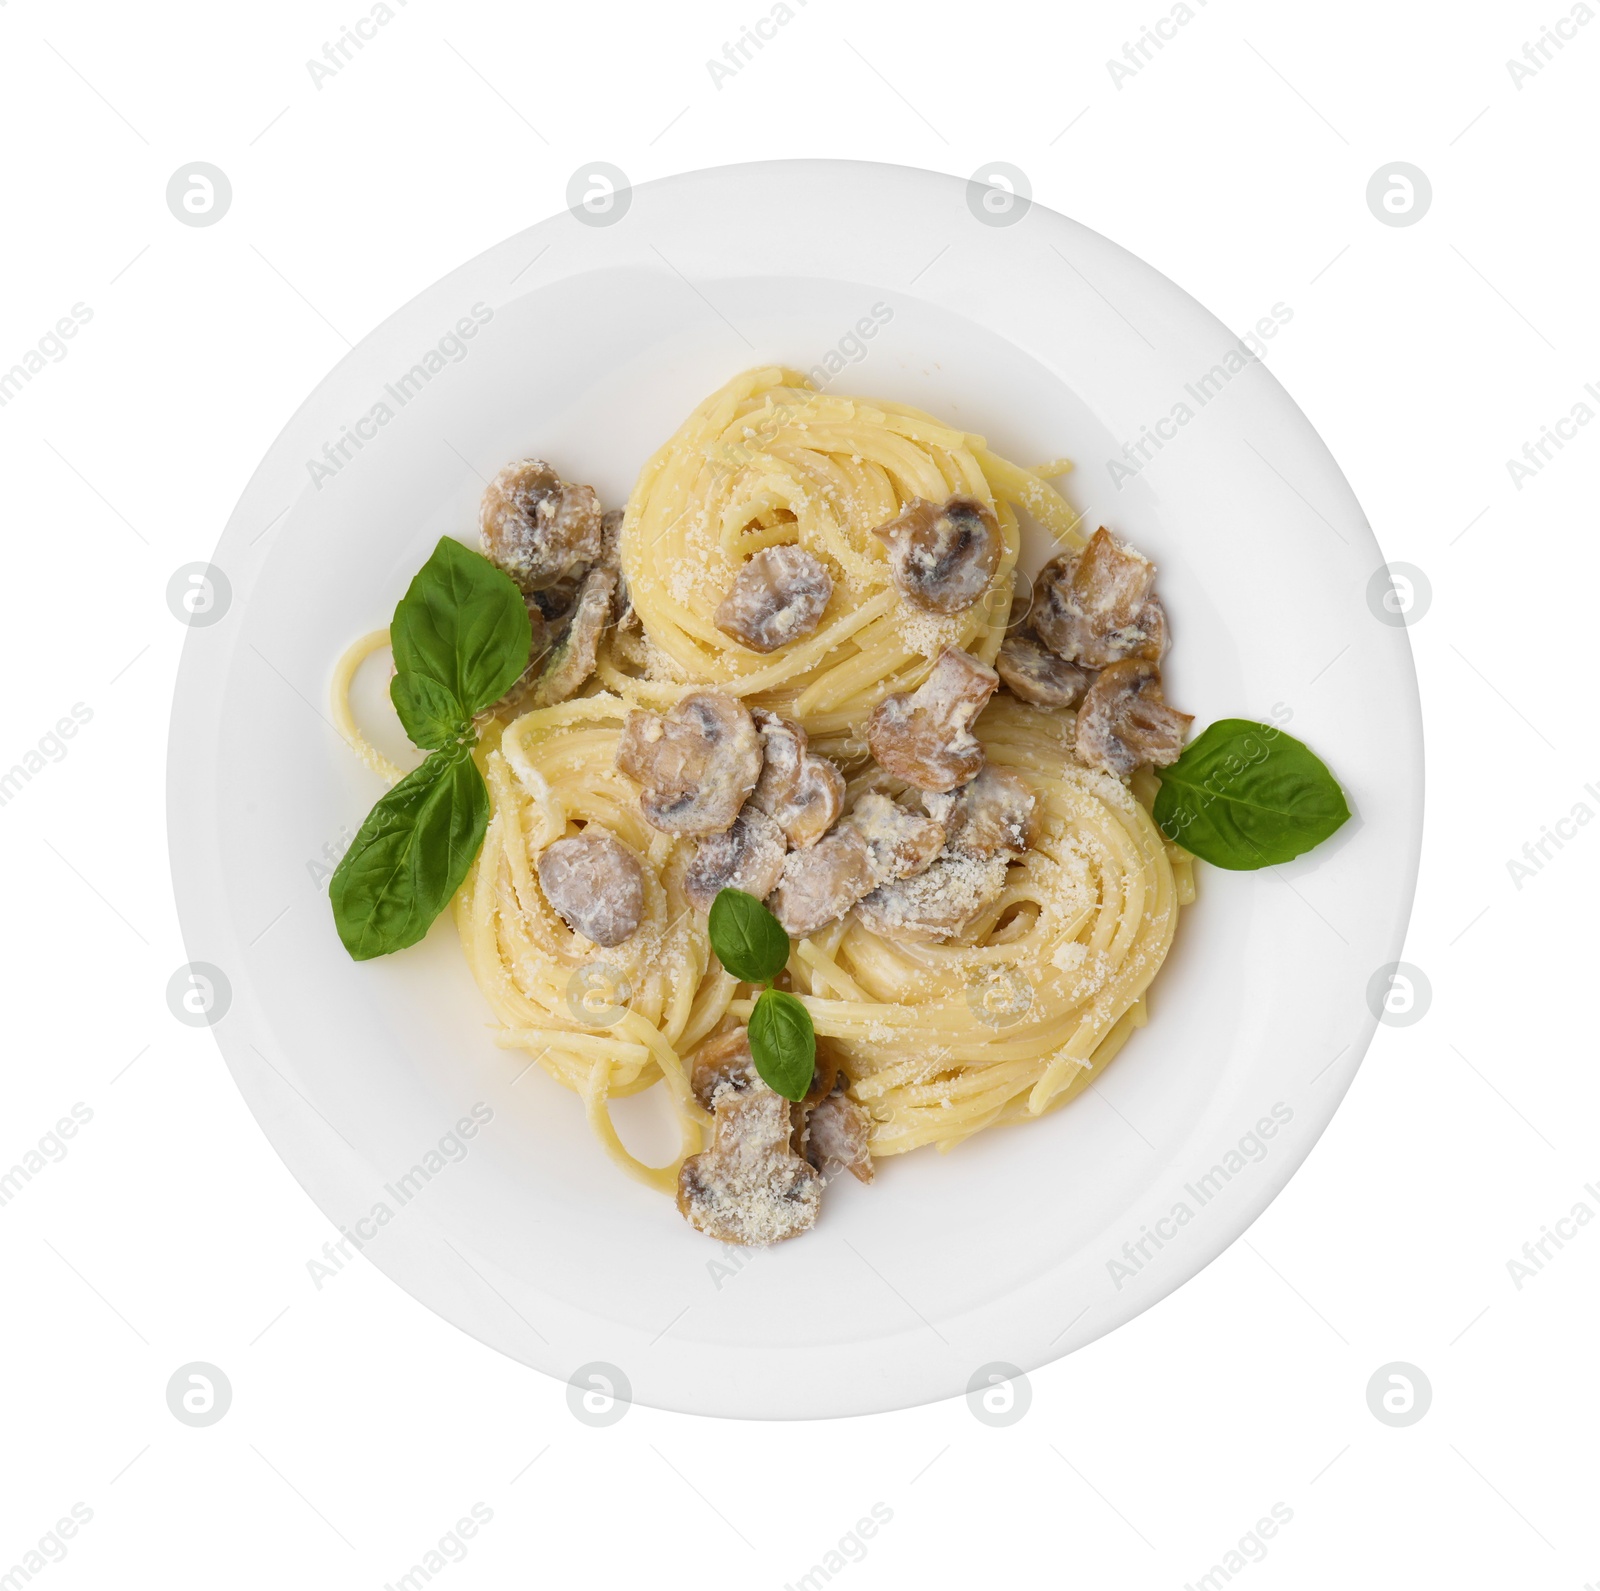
<point>750,942</point>
<point>1244,796</point>
<point>461,637</point>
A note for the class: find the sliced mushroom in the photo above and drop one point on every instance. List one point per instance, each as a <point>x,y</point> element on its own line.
<point>697,764</point>
<point>1033,673</point>
<point>749,1186</point>
<point>820,884</point>
<point>995,812</point>
<point>944,899</point>
<point>783,750</point>
<point>1095,607</point>
<point>571,660</point>
<point>777,597</point>
<point>595,885</point>
<point>902,842</point>
<point>836,1136</point>
<point>543,635</point>
<point>1125,721</point>
<point>537,527</point>
<point>611,558</point>
<point>924,737</point>
<point>802,792</point>
<point>747,856</point>
<point>721,1063</point>
<point>942,557</point>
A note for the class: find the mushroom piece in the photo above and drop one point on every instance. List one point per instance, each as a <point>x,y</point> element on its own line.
<point>836,1136</point>
<point>720,1064</point>
<point>901,842</point>
<point>536,527</point>
<point>995,812</point>
<point>697,764</point>
<point>611,558</point>
<point>822,883</point>
<point>777,597</point>
<point>944,899</point>
<point>1125,721</point>
<point>543,635</point>
<point>595,885</point>
<point>943,557</point>
<point>1098,606</point>
<point>1033,673</point>
<point>571,660</point>
<point>749,1186</point>
<point>924,737</point>
<point>802,792</point>
<point>747,856</point>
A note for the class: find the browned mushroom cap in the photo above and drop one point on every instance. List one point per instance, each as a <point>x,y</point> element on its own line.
<point>594,883</point>
<point>749,1186</point>
<point>901,841</point>
<point>993,813</point>
<point>802,792</point>
<point>571,659</point>
<point>836,1134</point>
<point>721,1063</point>
<point>1033,673</point>
<point>537,527</point>
<point>748,856</point>
<point>944,899</point>
<point>925,736</point>
<point>1125,721</point>
<point>822,883</point>
<point>943,557</point>
<point>1091,607</point>
<point>697,764</point>
<point>776,598</point>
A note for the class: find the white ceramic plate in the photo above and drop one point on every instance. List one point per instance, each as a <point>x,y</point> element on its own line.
<point>590,344</point>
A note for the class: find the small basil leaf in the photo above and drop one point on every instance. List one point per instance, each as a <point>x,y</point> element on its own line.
<point>1246,795</point>
<point>410,855</point>
<point>464,625</point>
<point>783,1043</point>
<point>430,715</point>
<point>748,939</point>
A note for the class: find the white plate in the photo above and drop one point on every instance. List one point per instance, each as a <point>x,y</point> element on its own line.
<point>591,344</point>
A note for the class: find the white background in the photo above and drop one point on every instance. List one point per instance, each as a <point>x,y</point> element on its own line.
<point>362,1427</point>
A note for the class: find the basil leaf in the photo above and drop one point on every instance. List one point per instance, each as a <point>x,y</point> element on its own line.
<point>463,624</point>
<point>1246,795</point>
<point>410,855</point>
<point>748,939</point>
<point>783,1043</point>
<point>430,715</point>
